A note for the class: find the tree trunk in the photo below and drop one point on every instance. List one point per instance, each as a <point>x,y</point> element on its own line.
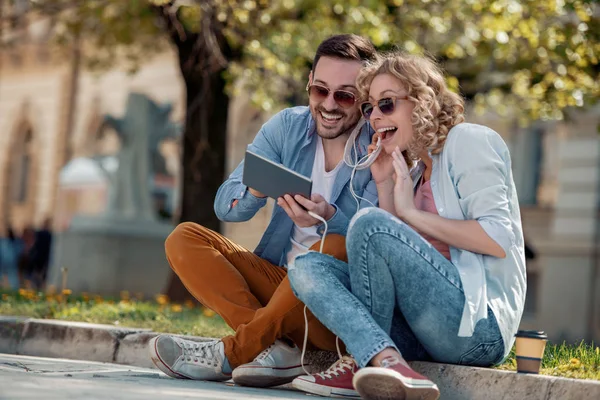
<point>204,150</point>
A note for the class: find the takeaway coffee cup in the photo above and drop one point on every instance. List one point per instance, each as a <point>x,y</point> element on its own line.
<point>530,351</point>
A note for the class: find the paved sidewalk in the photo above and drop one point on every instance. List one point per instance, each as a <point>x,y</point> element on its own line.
<point>23,377</point>
<point>128,349</point>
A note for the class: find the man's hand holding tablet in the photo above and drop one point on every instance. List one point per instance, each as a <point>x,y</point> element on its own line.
<point>297,209</point>
<point>291,190</point>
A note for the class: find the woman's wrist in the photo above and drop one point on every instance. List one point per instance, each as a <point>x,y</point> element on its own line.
<point>410,216</point>
<point>385,186</point>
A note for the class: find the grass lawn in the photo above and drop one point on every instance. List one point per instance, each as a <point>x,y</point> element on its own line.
<point>157,314</point>
<point>573,361</point>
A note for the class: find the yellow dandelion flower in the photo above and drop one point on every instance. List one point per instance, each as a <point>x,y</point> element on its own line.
<point>85,296</point>
<point>189,304</point>
<point>575,362</point>
<point>176,308</point>
<point>208,313</point>
<point>67,292</point>
<point>22,292</point>
<point>98,300</point>
<point>162,299</point>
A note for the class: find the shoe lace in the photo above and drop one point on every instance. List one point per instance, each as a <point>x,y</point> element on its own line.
<point>341,366</point>
<point>205,353</point>
<point>263,354</point>
<point>337,343</point>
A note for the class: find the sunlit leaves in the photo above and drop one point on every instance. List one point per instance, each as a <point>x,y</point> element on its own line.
<point>537,56</point>
<point>107,30</point>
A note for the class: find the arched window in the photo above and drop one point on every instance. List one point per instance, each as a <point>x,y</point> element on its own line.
<point>21,167</point>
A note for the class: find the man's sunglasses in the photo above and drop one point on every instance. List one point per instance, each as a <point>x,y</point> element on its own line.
<point>318,93</point>
<point>387,105</point>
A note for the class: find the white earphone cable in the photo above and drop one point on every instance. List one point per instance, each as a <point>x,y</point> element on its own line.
<point>363,163</point>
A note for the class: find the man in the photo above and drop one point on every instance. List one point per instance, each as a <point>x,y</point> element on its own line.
<point>251,291</point>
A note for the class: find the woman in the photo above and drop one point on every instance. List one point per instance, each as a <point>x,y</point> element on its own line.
<point>438,271</point>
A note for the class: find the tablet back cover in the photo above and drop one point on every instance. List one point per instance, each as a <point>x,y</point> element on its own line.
<point>272,179</point>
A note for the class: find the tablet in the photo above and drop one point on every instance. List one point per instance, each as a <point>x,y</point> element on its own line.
<point>273,179</point>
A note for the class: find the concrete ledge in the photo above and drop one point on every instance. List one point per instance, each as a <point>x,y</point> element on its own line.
<point>128,346</point>
<point>62,339</point>
<point>460,382</point>
<point>133,348</point>
<point>11,330</point>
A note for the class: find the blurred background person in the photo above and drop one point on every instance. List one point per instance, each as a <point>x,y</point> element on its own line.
<point>25,265</point>
<point>11,248</point>
<point>39,257</point>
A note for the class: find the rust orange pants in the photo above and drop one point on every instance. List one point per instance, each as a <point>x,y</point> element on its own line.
<point>252,295</point>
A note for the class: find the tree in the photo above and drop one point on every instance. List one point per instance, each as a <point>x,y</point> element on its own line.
<point>538,58</point>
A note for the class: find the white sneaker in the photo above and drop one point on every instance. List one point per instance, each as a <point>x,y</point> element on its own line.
<point>278,364</point>
<point>180,358</point>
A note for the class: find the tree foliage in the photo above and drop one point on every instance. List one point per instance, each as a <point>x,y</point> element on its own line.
<point>536,57</point>
<point>540,57</point>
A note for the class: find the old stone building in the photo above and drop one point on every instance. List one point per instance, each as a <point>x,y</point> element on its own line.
<point>50,112</point>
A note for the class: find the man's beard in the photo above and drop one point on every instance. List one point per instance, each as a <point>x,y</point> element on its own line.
<point>345,128</point>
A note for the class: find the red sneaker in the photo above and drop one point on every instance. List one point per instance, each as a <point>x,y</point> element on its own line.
<point>336,381</point>
<point>394,381</point>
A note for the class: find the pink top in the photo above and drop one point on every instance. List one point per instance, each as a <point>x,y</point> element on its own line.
<point>424,201</point>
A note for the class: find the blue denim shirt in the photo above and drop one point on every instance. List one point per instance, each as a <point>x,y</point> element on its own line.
<point>472,180</point>
<point>290,138</point>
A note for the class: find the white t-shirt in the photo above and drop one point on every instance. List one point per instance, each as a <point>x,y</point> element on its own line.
<point>303,238</point>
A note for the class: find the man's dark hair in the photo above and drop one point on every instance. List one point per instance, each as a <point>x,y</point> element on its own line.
<point>346,47</point>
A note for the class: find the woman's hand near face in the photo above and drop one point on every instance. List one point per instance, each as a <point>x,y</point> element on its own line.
<point>404,202</point>
<point>382,172</point>
<point>382,168</point>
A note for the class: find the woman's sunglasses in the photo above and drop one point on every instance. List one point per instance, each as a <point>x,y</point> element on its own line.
<point>387,106</point>
<point>318,93</point>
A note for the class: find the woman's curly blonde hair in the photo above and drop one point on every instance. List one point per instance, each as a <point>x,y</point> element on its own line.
<point>436,110</point>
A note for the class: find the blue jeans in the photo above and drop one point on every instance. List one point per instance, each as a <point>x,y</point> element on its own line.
<point>396,291</point>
